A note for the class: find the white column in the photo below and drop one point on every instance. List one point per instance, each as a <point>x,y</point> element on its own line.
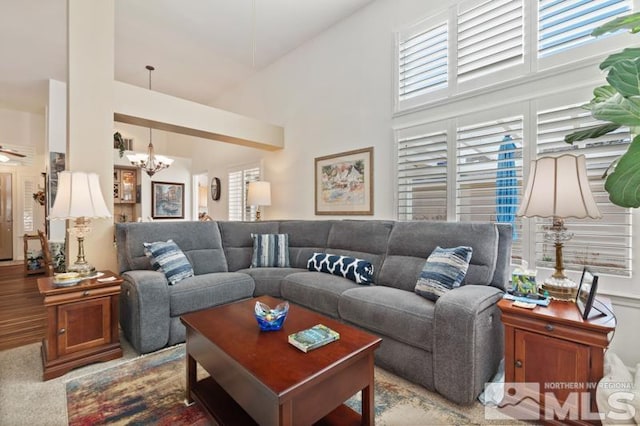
<point>56,140</point>
<point>90,113</point>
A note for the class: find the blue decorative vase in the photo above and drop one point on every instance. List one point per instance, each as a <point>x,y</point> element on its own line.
<point>271,319</point>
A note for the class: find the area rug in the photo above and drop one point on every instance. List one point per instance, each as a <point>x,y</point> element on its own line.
<point>149,390</point>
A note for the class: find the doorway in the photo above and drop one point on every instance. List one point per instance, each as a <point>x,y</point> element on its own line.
<point>6,217</point>
<point>200,196</point>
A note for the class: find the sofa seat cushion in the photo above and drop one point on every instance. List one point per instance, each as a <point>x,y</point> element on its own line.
<point>404,316</point>
<point>208,290</point>
<point>268,280</point>
<point>316,290</point>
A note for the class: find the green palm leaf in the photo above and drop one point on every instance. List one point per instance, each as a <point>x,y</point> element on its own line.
<point>618,109</point>
<point>623,185</point>
<point>628,53</point>
<point>628,22</point>
<point>624,76</point>
<point>591,132</point>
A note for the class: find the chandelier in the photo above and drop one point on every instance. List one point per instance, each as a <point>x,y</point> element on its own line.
<point>150,162</point>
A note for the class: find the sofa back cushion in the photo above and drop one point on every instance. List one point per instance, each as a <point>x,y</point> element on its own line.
<point>411,243</point>
<point>200,241</point>
<point>305,238</point>
<point>238,243</point>
<point>365,239</point>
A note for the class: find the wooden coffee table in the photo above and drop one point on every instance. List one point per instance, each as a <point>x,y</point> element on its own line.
<point>259,378</point>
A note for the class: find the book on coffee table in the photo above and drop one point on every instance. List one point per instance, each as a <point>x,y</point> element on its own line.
<point>314,337</point>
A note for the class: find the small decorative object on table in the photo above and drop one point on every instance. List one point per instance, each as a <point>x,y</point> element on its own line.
<point>314,337</point>
<point>66,279</point>
<point>271,319</point>
<point>523,280</point>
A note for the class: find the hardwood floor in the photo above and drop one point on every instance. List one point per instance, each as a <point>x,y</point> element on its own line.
<point>22,313</point>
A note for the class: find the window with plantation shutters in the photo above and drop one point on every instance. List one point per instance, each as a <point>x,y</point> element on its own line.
<point>423,62</point>
<point>564,24</point>
<point>477,45</point>
<point>603,244</point>
<point>422,177</point>
<point>489,174</point>
<point>237,187</point>
<point>490,37</point>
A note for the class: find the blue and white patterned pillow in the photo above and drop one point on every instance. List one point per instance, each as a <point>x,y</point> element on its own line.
<point>358,270</point>
<point>444,270</point>
<point>168,258</point>
<point>270,250</point>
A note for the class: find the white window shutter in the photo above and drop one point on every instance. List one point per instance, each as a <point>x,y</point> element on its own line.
<point>602,244</point>
<point>236,195</point>
<point>422,177</point>
<point>490,38</point>
<point>565,24</point>
<point>489,174</point>
<point>28,212</point>
<point>423,62</point>
<point>250,175</point>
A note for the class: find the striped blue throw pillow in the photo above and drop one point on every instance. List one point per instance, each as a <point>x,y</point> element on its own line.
<point>444,270</point>
<point>168,258</point>
<point>270,250</point>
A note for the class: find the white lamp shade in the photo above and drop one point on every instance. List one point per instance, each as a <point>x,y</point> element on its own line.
<point>559,187</point>
<point>259,193</point>
<point>78,195</point>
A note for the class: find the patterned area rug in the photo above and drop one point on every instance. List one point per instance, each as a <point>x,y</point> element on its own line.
<point>149,390</point>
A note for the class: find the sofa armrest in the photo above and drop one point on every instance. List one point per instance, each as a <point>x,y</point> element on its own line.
<point>144,310</point>
<point>468,341</point>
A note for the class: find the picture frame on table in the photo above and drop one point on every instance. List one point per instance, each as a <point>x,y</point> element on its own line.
<point>167,200</point>
<point>344,183</point>
<point>586,292</point>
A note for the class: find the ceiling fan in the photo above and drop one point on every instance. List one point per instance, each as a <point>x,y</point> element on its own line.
<point>10,151</point>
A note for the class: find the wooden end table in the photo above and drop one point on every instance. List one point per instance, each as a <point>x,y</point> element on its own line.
<point>557,352</point>
<point>259,378</point>
<point>82,324</point>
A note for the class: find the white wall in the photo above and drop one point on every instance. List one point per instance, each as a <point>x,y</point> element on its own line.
<point>56,141</point>
<point>178,172</point>
<point>334,94</point>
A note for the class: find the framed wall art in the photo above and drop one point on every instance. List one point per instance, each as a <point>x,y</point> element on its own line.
<point>167,200</point>
<point>344,183</point>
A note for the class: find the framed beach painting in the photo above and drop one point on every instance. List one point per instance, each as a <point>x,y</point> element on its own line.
<point>167,200</point>
<point>344,183</point>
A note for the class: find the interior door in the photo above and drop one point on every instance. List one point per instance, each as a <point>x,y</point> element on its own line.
<point>6,217</point>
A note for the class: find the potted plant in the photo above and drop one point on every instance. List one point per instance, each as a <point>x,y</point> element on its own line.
<point>119,142</point>
<point>618,104</point>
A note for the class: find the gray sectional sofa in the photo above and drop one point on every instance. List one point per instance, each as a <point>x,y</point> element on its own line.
<point>452,346</point>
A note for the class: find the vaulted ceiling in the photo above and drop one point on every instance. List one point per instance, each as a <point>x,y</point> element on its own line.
<point>199,47</point>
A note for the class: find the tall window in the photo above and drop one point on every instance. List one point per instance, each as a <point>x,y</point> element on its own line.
<point>239,180</point>
<point>564,24</point>
<point>490,37</point>
<point>480,43</point>
<point>489,174</point>
<point>422,176</point>
<point>604,244</point>
<point>477,174</point>
<point>423,62</point>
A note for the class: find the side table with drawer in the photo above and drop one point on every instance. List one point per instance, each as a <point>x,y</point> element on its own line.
<point>554,357</point>
<point>82,324</point>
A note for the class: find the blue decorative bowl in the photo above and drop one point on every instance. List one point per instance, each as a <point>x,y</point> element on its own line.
<point>271,319</point>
